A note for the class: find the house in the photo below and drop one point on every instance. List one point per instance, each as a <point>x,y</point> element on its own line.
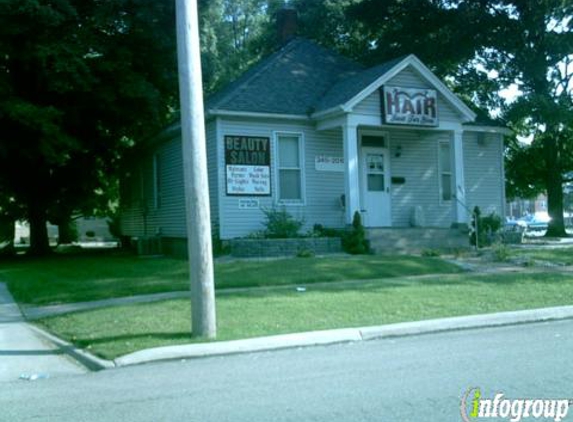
<point>324,137</point>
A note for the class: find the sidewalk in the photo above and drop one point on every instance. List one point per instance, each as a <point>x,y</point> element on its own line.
<point>23,353</point>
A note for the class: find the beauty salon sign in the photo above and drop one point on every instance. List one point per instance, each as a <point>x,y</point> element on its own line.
<point>409,106</point>
<point>248,165</point>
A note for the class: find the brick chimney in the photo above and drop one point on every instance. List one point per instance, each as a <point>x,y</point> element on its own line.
<point>287,24</point>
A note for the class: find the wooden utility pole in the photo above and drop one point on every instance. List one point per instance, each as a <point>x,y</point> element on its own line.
<point>195,171</point>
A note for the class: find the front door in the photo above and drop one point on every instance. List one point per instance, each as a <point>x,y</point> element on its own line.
<point>376,187</point>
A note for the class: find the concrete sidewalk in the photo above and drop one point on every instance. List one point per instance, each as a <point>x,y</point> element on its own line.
<point>23,353</point>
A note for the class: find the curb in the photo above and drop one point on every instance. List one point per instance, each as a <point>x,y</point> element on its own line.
<point>327,337</point>
<point>90,361</point>
<point>259,344</point>
<point>499,319</point>
<point>312,338</point>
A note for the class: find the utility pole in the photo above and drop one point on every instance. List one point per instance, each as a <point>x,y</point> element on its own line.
<point>195,171</point>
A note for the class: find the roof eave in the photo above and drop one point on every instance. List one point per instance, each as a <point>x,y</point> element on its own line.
<point>488,129</point>
<point>255,114</point>
<point>330,112</point>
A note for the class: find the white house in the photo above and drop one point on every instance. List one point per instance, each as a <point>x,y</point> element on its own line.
<point>324,137</point>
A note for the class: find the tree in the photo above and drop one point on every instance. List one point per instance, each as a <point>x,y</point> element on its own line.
<point>79,81</point>
<point>234,36</point>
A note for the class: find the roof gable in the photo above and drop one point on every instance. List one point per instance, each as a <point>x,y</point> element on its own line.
<point>370,80</point>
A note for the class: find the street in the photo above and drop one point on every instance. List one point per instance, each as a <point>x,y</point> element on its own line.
<point>420,378</point>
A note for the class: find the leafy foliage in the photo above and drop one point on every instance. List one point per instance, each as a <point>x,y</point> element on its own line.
<point>280,224</point>
<point>355,242</point>
<point>487,228</point>
<point>77,85</point>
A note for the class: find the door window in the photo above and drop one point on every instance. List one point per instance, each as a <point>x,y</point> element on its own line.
<point>375,172</point>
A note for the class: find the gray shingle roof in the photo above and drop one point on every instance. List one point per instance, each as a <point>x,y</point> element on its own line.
<point>347,88</point>
<point>299,79</point>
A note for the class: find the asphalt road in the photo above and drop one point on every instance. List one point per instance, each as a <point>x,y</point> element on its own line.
<point>418,378</point>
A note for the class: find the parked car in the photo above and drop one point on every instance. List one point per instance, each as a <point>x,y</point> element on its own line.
<point>534,222</point>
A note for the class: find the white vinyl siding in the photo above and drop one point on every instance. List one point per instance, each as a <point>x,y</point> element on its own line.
<point>157,182</point>
<point>445,163</point>
<point>483,166</point>
<point>322,190</point>
<point>418,166</point>
<point>408,78</point>
<point>290,173</point>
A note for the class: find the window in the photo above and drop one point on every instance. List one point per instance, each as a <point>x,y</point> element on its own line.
<point>157,180</point>
<point>445,163</point>
<point>289,168</point>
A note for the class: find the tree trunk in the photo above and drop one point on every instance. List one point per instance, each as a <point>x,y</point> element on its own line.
<point>39,243</point>
<point>554,183</point>
<point>66,231</point>
<point>7,234</point>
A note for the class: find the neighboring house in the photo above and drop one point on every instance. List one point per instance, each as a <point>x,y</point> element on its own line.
<point>89,229</point>
<point>522,207</point>
<point>324,137</point>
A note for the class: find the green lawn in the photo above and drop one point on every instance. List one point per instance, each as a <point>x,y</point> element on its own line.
<point>563,256</point>
<point>112,332</point>
<point>79,278</point>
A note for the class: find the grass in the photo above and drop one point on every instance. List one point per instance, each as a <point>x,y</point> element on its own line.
<point>113,332</point>
<point>79,278</point>
<point>563,256</point>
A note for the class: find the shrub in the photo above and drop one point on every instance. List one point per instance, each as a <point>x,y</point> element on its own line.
<point>487,229</point>
<point>305,253</point>
<point>318,230</point>
<point>219,246</point>
<point>279,224</point>
<point>501,252</point>
<point>355,242</point>
<point>430,253</point>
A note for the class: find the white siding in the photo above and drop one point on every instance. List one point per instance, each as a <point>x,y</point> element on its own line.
<point>408,78</point>
<point>484,172</point>
<point>322,189</point>
<point>418,164</point>
<point>140,215</point>
<point>211,129</point>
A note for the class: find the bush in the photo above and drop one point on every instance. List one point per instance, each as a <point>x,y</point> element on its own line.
<point>501,252</point>
<point>488,227</point>
<point>219,247</point>
<point>318,230</point>
<point>355,242</point>
<point>305,253</point>
<point>279,224</point>
<point>430,253</point>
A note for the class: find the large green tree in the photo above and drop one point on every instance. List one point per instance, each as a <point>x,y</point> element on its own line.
<point>79,81</point>
<point>234,35</point>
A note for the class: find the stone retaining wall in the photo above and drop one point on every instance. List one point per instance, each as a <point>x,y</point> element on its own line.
<point>251,248</point>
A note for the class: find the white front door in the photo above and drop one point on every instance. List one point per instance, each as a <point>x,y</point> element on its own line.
<point>376,187</point>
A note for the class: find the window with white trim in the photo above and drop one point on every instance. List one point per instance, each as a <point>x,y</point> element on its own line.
<point>445,163</point>
<point>289,158</point>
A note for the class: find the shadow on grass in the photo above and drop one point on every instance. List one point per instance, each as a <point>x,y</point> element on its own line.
<point>179,336</point>
<point>406,282</point>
